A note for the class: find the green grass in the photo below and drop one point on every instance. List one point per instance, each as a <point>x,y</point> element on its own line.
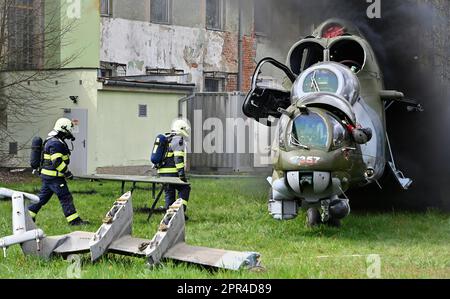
<point>232,214</point>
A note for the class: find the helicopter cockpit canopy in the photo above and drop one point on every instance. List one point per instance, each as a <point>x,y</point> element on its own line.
<point>318,131</point>
<point>327,77</point>
<point>310,131</point>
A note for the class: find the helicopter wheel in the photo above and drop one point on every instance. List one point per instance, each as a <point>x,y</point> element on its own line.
<point>313,217</point>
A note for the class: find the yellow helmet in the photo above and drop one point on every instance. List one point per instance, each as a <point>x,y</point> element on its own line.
<point>181,127</point>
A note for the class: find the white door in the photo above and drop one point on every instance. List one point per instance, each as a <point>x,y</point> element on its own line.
<point>78,158</point>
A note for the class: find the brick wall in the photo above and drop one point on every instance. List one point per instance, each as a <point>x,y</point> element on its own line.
<point>230,54</point>
<point>230,51</point>
<point>248,61</point>
<point>231,83</point>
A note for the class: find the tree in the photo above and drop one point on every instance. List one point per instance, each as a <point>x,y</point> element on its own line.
<point>31,38</point>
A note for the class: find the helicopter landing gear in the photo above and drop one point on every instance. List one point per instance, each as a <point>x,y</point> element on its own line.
<point>330,213</point>
<point>334,210</point>
<point>313,217</point>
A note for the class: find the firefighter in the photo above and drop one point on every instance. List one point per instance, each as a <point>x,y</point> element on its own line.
<point>174,164</point>
<point>54,172</point>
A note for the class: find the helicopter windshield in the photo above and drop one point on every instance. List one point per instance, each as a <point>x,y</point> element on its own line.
<point>340,134</point>
<point>310,131</point>
<point>321,80</point>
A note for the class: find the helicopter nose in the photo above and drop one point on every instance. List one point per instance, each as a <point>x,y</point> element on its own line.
<point>317,181</point>
<point>305,160</point>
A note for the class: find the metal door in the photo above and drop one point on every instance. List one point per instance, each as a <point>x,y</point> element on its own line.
<point>78,158</point>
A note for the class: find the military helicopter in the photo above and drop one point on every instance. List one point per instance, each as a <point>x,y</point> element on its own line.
<point>331,125</point>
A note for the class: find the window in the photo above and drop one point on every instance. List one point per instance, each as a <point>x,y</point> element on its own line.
<point>321,81</point>
<point>142,111</point>
<point>160,11</point>
<point>214,14</point>
<point>21,40</point>
<point>214,85</point>
<point>310,131</point>
<point>105,8</point>
<point>340,134</point>
<point>13,148</point>
<point>112,69</point>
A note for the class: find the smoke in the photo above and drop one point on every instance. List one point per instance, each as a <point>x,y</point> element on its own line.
<point>411,43</point>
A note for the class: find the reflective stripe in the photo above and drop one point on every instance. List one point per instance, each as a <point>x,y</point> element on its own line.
<point>184,202</point>
<point>32,214</point>
<point>180,165</point>
<point>169,155</point>
<point>56,156</point>
<point>61,167</point>
<point>72,217</point>
<point>178,154</point>
<point>51,173</point>
<point>64,157</point>
<point>168,170</point>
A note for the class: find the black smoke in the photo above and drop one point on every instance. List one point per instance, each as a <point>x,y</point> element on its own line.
<point>412,45</point>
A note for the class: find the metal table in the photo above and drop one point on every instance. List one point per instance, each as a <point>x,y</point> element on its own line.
<point>134,179</point>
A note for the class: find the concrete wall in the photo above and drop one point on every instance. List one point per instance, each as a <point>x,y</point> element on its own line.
<point>123,138</point>
<point>41,121</point>
<point>142,44</point>
<point>71,33</point>
<point>190,13</point>
<point>129,37</point>
<point>80,45</point>
<point>138,10</point>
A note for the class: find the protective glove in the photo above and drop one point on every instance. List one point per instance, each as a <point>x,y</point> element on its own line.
<point>183,178</point>
<point>68,175</point>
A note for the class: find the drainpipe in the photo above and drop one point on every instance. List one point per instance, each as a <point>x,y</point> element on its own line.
<point>184,100</point>
<point>240,47</point>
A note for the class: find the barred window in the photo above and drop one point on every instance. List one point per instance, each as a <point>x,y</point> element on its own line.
<point>214,85</point>
<point>22,40</point>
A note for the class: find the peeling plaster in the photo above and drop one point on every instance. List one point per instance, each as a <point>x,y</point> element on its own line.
<point>213,55</point>
<point>141,44</point>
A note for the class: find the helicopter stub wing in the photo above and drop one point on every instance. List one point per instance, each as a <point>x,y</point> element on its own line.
<point>169,243</point>
<point>115,236</point>
<point>76,242</point>
<point>393,96</point>
<point>227,259</point>
<point>116,224</point>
